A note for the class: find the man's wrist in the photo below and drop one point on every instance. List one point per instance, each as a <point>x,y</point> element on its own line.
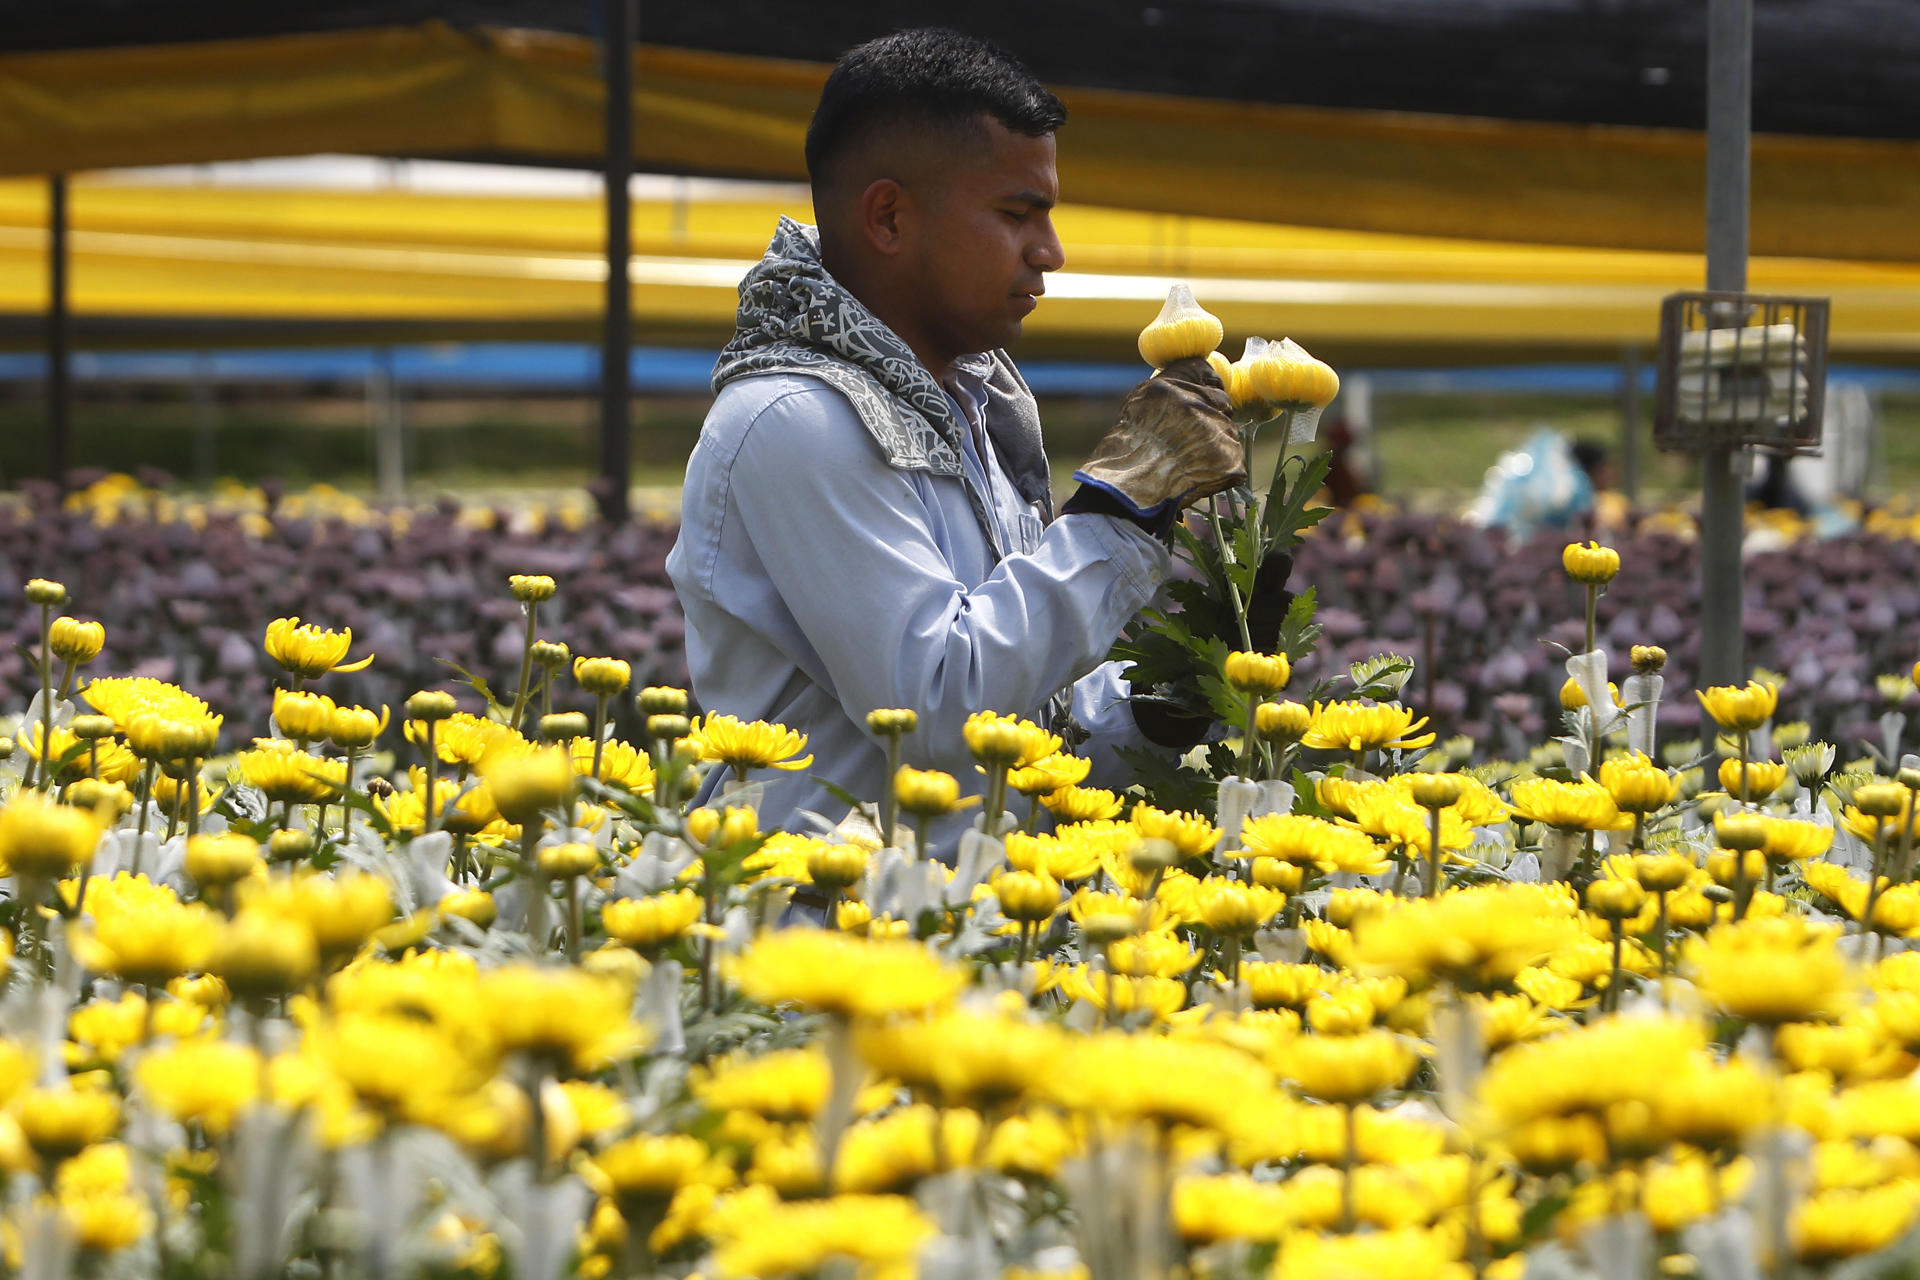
<point>1096,498</point>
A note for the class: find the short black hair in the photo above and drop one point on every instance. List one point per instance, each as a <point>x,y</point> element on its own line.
<point>928,76</point>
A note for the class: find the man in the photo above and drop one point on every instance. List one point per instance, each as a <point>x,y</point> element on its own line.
<point>866,518</point>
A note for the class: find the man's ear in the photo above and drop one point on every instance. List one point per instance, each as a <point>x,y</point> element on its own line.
<point>883,208</point>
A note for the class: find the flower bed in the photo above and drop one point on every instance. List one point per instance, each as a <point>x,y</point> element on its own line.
<point>508,1001</point>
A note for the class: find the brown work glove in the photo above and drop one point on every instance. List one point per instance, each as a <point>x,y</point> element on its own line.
<point>1175,442</point>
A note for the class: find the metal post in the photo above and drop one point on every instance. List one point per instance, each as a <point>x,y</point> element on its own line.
<point>206,449</point>
<point>1722,507</point>
<point>616,392</point>
<point>384,417</point>
<point>1630,422</point>
<point>59,335</point>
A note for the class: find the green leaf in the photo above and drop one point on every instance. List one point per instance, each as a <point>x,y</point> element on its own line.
<point>1288,517</point>
<point>479,686</point>
<point>1300,634</point>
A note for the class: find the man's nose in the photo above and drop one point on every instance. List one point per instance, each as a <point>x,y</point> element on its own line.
<point>1047,253</point>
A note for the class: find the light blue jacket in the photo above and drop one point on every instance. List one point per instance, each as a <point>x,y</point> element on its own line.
<point>856,536</point>
<point>820,583</point>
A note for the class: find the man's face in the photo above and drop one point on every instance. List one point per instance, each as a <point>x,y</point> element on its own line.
<point>981,244</point>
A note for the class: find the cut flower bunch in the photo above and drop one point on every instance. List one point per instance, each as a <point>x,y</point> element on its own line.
<point>461,988</point>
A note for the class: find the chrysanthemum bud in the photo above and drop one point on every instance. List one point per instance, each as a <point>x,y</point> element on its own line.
<point>525,786</point>
<point>567,861</point>
<point>222,859</point>
<point>302,716</point>
<point>75,641</point>
<point>355,728</point>
<point>431,704</point>
<point>551,654</point>
<point>1272,873</point>
<point>261,955</point>
<point>1880,799</point>
<point>835,866</point>
<point>1282,721</point>
<point>715,829</point>
<point>1740,830</point>
<point>1150,855</point>
<point>1590,563</point>
<point>1435,790</point>
<point>1661,872</point>
<point>1026,896</point>
<point>531,588</point>
<point>1729,866</point>
<point>893,721</point>
<point>1260,674</point>
<point>108,800</point>
<point>602,677</point>
<point>290,844</point>
<point>1183,329</point>
<point>926,793</point>
<point>999,742</point>
<point>564,726</point>
<point>1909,778</point>
<point>45,592</point>
<point>662,700</point>
<point>91,728</point>
<point>1615,899</point>
<point>668,726</point>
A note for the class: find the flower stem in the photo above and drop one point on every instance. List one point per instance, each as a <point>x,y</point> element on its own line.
<point>46,697</point>
<point>1226,561</point>
<point>1431,887</point>
<point>193,798</point>
<point>890,803</point>
<point>599,731</point>
<point>526,668</point>
<point>430,816</point>
<point>996,798</point>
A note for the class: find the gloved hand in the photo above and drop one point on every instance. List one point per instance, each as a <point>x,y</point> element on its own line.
<point>1175,443</point>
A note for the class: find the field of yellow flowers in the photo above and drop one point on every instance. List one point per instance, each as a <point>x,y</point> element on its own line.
<point>414,991</point>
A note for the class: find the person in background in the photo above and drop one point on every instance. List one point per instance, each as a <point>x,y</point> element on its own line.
<point>867,520</point>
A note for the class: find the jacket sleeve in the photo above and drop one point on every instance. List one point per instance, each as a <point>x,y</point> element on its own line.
<point>847,542</point>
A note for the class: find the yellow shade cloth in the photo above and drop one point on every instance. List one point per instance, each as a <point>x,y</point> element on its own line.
<point>491,93</point>
<point>246,253</point>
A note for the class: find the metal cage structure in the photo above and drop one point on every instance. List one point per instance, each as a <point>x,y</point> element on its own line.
<point>1741,369</point>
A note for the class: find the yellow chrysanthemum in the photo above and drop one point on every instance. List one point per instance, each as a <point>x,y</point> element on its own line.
<point>309,651</point>
<point>1359,726</point>
<point>1306,841</point>
<point>289,775</point>
<point>835,973</point>
<point>744,744</point>
<point>1740,708</point>
<point>1771,970</point>
<point>1569,806</point>
<point>1053,773</point>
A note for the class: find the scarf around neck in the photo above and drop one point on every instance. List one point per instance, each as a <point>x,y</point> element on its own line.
<point>794,317</point>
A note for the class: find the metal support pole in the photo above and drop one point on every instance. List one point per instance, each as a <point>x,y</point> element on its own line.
<point>1722,506</point>
<point>1630,422</point>
<point>616,391</point>
<point>59,335</point>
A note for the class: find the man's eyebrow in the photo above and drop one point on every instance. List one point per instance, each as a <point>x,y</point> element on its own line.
<point>1033,198</point>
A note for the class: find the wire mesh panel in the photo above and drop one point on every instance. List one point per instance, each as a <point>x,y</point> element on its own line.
<point>1740,369</point>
